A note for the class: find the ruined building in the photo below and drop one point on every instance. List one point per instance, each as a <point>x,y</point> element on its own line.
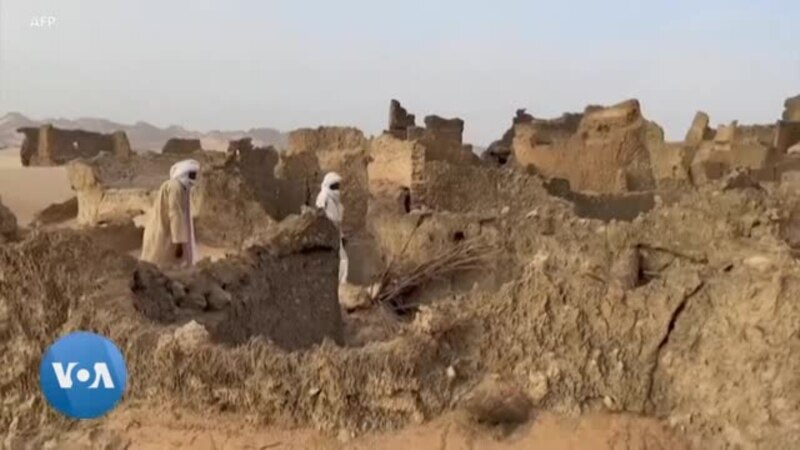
<point>50,146</point>
<point>604,150</point>
<point>397,158</point>
<point>181,146</point>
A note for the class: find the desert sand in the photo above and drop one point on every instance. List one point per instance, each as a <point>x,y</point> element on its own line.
<point>28,190</point>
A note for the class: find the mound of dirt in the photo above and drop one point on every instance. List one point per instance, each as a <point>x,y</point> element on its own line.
<point>57,213</point>
<point>8,224</point>
<point>693,324</point>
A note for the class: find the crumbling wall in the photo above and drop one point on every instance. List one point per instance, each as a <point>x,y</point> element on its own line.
<point>465,188</point>
<point>442,139</point>
<point>699,131</point>
<point>734,146</point>
<point>499,152</point>
<point>111,190</point>
<point>788,129</point>
<point>181,146</point>
<point>625,206</point>
<point>257,166</point>
<point>48,146</point>
<point>407,240</point>
<point>609,152</point>
<point>671,165</point>
<point>284,289</point>
<point>314,152</point>
<point>791,111</point>
<point>400,121</point>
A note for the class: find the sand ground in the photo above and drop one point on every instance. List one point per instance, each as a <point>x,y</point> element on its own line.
<point>136,428</point>
<point>28,190</point>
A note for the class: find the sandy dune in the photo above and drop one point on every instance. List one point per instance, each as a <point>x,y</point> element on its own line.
<point>28,190</point>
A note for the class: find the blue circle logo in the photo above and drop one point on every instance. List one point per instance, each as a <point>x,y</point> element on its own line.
<point>82,375</point>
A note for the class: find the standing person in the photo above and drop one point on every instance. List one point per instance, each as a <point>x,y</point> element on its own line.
<point>169,232</point>
<point>329,200</point>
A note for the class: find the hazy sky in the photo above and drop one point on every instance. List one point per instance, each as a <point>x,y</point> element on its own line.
<point>285,64</point>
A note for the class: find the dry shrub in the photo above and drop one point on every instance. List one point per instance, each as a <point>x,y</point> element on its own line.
<point>467,255</point>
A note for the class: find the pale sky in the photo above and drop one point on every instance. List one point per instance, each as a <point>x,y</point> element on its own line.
<point>233,64</point>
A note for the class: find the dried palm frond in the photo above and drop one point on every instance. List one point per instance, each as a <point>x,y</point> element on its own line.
<point>467,255</point>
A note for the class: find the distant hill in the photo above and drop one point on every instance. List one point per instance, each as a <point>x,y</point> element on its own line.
<point>142,135</point>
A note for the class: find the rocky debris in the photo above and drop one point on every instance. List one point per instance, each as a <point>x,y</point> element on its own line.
<point>400,121</point>
<point>153,296</point>
<point>497,402</point>
<point>192,335</point>
<point>48,146</point>
<point>8,224</point>
<point>181,146</point>
<point>189,338</point>
<point>739,179</point>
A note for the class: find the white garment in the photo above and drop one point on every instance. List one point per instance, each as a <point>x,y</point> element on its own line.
<point>329,201</point>
<point>180,171</point>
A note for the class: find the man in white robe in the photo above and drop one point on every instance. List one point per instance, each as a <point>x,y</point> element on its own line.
<point>169,232</point>
<point>329,200</point>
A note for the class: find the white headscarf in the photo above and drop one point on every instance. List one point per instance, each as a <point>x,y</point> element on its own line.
<point>180,171</point>
<point>329,199</point>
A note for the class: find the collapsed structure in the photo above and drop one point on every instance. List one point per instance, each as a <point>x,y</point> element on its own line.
<point>627,274</point>
<point>49,146</point>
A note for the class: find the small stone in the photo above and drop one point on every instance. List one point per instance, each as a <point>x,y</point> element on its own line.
<point>344,436</point>
<point>176,289</point>
<point>609,403</point>
<point>194,300</point>
<point>451,373</point>
<point>538,386</point>
<point>532,214</point>
<point>191,336</point>
<point>760,263</point>
<point>540,260</point>
<point>505,210</point>
<point>313,392</point>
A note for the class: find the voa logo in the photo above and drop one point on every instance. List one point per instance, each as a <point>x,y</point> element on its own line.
<point>82,375</point>
<point>101,373</point>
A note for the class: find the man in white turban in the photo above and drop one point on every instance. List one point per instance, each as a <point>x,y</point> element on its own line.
<point>329,201</point>
<point>169,232</point>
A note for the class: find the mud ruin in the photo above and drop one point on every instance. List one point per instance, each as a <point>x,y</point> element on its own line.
<point>49,146</point>
<point>181,146</point>
<point>626,275</point>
